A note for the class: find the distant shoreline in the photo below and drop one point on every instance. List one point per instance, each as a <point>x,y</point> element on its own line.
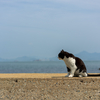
<point>48,61</point>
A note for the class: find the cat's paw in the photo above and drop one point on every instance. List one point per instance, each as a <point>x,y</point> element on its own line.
<point>80,75</point>
<point>70,75</point>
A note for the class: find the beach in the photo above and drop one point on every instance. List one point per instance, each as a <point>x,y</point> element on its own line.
<point>44,86</point>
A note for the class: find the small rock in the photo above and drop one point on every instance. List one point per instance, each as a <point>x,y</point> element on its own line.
<point>56,96</point>
<point>78,91</point>
<point>90,97</point>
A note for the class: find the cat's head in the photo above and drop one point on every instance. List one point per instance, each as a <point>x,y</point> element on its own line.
<point>61,55</point>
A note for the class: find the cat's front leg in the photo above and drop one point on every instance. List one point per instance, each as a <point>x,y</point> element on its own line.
<point>72,72</point>
<point>68,70</point>
<point>67,74</point>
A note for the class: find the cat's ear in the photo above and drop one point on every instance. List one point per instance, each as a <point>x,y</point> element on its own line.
<point>62,50</point>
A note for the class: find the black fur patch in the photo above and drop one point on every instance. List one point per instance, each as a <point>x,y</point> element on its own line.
<point>68,69</point>
<point>63,53</point>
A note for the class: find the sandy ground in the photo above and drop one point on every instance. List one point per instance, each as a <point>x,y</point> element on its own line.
<point>32,75</point>
<point>48,87</point>
<point>38,75</point>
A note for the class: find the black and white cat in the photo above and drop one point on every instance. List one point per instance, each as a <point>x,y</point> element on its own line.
<point>75,65</point>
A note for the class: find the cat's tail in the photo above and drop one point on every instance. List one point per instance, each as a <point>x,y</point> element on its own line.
<point>96,74</point>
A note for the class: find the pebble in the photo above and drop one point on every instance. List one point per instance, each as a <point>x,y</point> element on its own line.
<point>90,96</point>
<point>78,91</point>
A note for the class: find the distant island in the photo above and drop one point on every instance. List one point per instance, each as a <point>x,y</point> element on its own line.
<point>89,56</point>
<point>85,56</point>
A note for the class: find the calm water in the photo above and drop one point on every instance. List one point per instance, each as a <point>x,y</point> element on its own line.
<point>44,67</point>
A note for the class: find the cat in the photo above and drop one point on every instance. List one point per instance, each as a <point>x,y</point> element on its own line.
<point>75,66</point>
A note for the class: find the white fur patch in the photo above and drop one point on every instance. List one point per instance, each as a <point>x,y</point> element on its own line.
<point>70,62</point>
<point>84,74</point>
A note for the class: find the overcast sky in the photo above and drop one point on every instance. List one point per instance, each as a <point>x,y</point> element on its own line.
<point>42,28</point>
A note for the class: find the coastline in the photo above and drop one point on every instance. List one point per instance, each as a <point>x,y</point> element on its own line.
<point>43,86</point>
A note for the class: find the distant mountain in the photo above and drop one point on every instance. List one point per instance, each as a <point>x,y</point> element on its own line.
<point>89,56</point>
<point>25,58</point>
<point>54,59</point>
<point>2,59</point>
<point>83,55</point>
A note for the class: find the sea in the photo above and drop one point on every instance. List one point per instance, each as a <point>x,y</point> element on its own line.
<point>44,67</point>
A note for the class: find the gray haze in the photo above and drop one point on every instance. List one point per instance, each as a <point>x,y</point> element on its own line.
<point>41,28</point>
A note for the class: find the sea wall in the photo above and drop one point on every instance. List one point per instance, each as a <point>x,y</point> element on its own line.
<point>57,87</point>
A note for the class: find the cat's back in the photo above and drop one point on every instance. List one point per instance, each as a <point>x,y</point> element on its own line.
<point>80,64</point>
<point>79,61</point>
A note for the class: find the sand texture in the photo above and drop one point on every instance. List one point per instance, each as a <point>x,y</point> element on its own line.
<point>48,87</point>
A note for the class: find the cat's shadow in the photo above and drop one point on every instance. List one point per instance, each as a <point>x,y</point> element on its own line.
<point>95,75</point>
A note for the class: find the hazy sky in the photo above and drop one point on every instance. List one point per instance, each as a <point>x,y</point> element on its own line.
<point>42,28</point>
